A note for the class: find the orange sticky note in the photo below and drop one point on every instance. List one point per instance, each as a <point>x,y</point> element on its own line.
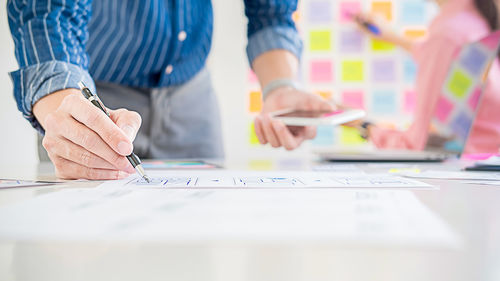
<point>296,16</point>
<point>255,104</point>
<point>383,8</point>
<point>327,95</point>
<point>415,33</point>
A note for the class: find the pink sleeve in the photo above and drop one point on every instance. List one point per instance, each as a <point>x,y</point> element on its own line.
<point>433,57</point>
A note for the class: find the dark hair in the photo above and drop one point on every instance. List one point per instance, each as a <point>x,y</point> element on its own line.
<point>489,10</point>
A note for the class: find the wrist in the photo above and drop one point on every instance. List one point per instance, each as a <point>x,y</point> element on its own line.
<point>50,103</point>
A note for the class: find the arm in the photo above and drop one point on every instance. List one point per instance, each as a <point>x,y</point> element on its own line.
<point>50,39</point>
<point>274,49</point>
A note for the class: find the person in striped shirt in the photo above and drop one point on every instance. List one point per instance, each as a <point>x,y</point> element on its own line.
<point>147,56</point>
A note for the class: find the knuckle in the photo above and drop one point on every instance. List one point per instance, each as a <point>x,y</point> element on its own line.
<point>136,117</point>
<point>47,143</point>
<point>88,141</point>
<point>86,158</point>
<point>94,119</point>
<point>90,173</point>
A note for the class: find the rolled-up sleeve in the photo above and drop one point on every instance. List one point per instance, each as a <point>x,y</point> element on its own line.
<point>49,39</point>
<point>270,26</point>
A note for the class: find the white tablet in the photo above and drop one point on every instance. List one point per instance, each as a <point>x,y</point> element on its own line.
<point>315,118</point>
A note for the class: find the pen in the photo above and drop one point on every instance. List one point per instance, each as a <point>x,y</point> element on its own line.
<point>132,158</point>
<point>368,25</point>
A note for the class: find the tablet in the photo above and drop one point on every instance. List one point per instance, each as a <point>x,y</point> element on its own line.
<point>316,118</point>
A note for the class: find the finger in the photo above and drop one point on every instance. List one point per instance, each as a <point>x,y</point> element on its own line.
<point>128,121</point>
<point>81,135</point>
<point>309,133</point>
<point>257,124</point>
<point>269,133</point>
<point>69,170</point>
<point>89,115</point>
<point>66,149</point>
<point>284,135</point>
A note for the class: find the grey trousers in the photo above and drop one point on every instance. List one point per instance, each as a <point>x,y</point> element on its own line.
<point>177,122</point>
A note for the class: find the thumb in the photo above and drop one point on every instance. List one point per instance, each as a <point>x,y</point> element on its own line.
<point>128,121</point>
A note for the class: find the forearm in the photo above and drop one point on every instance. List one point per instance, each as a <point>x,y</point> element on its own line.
<point>275,64</point>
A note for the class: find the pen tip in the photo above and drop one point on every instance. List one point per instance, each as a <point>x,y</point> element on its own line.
<point>146,178</point>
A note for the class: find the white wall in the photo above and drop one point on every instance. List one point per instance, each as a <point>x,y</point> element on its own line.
<point>17,138</point>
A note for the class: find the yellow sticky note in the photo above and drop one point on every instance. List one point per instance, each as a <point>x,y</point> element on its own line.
<point>460,83</point>
<point>383,8</point>
<point>352,71</point>
<point>253,140</point>
<point>320,40</point>
<point>404,170</point>
<point>255,102</point>
<point>382,46</point>
<point>260,165</point>
<point>415,33</point>
<point>350,136</point>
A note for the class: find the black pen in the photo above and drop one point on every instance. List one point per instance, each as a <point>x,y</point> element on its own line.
<point>94,99</point>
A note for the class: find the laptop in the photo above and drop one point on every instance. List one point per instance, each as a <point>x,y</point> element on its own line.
<point>462,93</point>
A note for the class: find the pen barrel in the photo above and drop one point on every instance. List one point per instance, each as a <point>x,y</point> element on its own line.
<point>134,160</point>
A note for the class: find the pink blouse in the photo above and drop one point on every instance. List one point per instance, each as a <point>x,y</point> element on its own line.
<point>458,23</point>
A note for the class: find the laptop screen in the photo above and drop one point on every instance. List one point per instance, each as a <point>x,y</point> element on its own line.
<point>462,93</point>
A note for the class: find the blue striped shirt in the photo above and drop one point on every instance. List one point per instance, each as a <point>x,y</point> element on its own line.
<point>140,43</point>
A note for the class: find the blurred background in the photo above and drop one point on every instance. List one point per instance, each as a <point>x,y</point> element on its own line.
<point>338,63</point>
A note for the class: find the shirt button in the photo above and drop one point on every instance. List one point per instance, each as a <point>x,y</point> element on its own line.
<point>169,69</point>
<point>182,36</point>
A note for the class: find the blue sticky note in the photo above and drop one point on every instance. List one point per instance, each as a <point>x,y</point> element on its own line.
<point>383,70</point>
<point>320,11</point>
<point>413,12</point>
<point>351,41</point>
<point>461,125</point>
<point>474,59</point>
<point>384,102</point>
<point>324,136</point>
<point>409,70</point>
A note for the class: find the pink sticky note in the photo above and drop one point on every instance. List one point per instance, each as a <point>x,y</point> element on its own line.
<point>409,101</point>
<point>252,78</point>
<point>474,99</point>
<point>348,9</point>
<point>443,109</point>
<point>492,41</point>
<point>353,99</point>
<point>321,71</point>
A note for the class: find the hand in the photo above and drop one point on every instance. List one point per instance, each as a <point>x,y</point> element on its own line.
<point>81,141</point>
<point>386,32</point>
<point>276,133</point>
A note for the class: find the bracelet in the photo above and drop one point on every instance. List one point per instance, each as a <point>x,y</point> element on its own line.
<point>278,83</point>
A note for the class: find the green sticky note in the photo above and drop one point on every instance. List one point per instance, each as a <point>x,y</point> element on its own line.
<point>382,46</point>
<point>351,136</point>
<point>320,40</point>
<point>460,84</point>
<point>253,140</point>
<point>352,71</point>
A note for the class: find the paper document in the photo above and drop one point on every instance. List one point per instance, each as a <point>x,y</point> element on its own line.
<point>352,217</point>
<point>264,179</point>
<point>455,175</point>
<point>21,183</point>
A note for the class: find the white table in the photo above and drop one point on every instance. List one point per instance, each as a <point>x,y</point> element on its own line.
<point>472,211</point>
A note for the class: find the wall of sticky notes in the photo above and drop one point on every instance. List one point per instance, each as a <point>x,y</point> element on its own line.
<point>343,64</point>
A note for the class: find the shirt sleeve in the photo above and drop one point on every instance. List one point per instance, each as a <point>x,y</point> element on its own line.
<point>270,26</point>
<point>49,38</point>
<point>434,58</point>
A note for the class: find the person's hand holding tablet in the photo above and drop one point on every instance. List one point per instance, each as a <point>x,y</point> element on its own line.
<point>274,131</point>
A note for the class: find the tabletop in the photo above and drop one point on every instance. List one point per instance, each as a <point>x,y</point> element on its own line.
<point>470,210</point>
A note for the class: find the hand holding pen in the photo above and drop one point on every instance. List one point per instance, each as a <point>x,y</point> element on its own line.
<point>81,141</point>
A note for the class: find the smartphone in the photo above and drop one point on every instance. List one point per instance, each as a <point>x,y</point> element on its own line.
<point>315,118</point>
